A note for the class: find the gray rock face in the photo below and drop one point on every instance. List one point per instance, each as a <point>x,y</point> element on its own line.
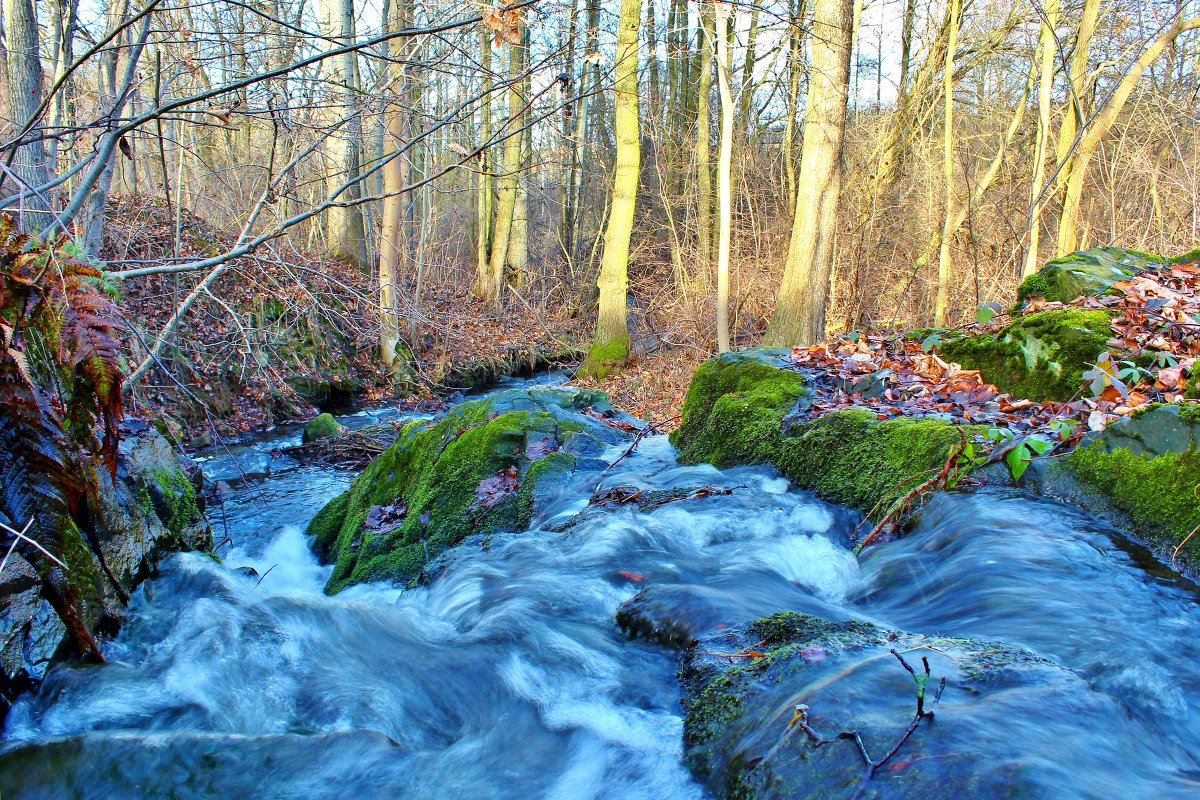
<point>151,509</point>
<point>1161,430</point>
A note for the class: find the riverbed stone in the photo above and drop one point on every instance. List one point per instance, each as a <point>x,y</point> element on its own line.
<point>1143,474</point>
<point>150,510</point>
<point>488,465</point>
<point>321,426</point>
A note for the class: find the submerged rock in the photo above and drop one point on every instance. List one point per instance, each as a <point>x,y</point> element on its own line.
<point>1143,473</point>
<point>488,465</point>
<point>742,690</point>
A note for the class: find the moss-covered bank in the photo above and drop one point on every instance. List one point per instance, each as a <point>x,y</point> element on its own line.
<point>486,466</point>
<point>739,410</point>
<point>1040,356</point>
<point>1144,471</point>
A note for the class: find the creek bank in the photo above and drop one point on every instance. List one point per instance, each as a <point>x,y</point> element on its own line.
<point>153,508</point>
<point>488,465</point>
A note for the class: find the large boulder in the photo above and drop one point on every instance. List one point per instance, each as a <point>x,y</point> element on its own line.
<point>742,408</point>
<point>1085,272</point>
<point>991,737</point>
<point>486,466</point>
<point>1040,356</point>
<point>151,509</point>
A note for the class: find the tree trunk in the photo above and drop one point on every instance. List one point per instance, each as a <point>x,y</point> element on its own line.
<point>942,303</point>
<point>611,348</point>
<point>799,316</point>
<point>24,96</point>
<point>483,200</point>
<point>1073,119</point>
<point>1046,48</point>
<point>346,232</point>
<point>506,201</point>
<point>724,182</point>
<point>704,198</point>
<point>391,238</point>
<point>1095,133</point>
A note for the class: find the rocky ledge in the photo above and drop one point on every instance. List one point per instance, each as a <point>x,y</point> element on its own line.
<point>152,508</point>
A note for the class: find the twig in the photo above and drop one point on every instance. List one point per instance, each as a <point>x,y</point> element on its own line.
<point>21,536</point>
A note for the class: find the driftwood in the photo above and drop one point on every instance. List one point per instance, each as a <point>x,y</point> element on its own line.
<point>348,449</point>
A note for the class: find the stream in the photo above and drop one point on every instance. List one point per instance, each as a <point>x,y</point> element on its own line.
<point>506,676</point>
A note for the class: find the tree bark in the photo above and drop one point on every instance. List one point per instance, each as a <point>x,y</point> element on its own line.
<point>610,350</point>
<point>1046,49</point>
<point>799,316</point>
<point>346,231</point>
<point>24,96</point>
<point>942,303</point>
<point>724,177</point>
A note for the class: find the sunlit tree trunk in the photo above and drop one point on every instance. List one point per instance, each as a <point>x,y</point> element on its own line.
<point>942,303</point>
<point>518,240</point>
<point>1073,119</point>
<point>724,178</point>
<point>704,198</point>
<point>1046,50</point>
<point>611,347</point>
<point>483,192</point>
<point>799,316</point>
<point>1098,129</point>
<point>391,239</point>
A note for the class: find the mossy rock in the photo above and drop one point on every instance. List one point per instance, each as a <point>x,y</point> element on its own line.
<point>739,740</point>
<point>321,427</point>
<point>605,358</point>
<point>486,466</point>
<point>1040,356</point>
<point>1085,272</point>
<point>740,409</point>
<point>1147,469</point>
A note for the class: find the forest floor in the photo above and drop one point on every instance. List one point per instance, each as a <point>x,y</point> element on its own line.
<point>281,324</point>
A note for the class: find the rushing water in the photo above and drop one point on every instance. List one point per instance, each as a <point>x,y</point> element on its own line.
<point>506,677</point>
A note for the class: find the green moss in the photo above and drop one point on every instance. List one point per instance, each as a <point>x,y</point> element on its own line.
<point>1159,495</point>
<point>851,457</point>
<point>435,470</point>
<point>321,427</point>
<point>735,413</point>
<point>735,402</point>
<point>177,498</point>
<point>1040,356</point>
<point>605,358</point>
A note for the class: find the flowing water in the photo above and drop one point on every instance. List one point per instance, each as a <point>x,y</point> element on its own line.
<point>506,677</point>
